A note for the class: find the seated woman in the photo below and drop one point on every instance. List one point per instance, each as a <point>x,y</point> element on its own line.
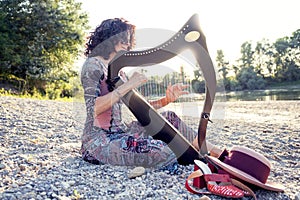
<point>106,138</point>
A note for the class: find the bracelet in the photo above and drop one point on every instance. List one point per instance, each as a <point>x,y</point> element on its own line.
<point>118,93</point>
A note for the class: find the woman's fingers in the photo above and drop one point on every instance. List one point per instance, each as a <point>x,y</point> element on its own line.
<point>137,79</point>
<point>179,89</point>
<point>175,91</point>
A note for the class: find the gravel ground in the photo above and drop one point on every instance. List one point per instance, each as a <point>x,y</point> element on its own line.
<point>40,142</point>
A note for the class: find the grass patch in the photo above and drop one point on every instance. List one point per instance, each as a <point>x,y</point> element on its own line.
<point>35,95</point>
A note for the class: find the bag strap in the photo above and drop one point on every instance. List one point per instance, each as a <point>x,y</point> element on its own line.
<point>198,173</point>
<point>244,187</point>
<point>195,174</point>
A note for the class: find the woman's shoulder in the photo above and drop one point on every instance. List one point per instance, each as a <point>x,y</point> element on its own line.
<point>92,67</point>
<point>92,64</point>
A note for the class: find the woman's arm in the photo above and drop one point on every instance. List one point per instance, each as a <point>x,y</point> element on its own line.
<point>106,101</point>
<point>157,104</point>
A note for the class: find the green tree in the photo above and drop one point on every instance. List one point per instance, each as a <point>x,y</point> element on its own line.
<point>43,39</point>
<point>262,59</point>
<point>223,68</point>
<point>247,77</point>
<point>182,74</point>
<point>286,58</point>
<point>198,83</point>
<point>247,55</point>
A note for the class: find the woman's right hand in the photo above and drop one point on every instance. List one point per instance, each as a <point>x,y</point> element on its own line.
<point>106,101</point>
<point>136,80</point>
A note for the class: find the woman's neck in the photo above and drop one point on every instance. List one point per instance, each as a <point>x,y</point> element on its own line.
<point>108,60</point>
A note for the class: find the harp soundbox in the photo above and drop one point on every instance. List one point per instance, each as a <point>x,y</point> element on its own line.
<point>190,37</point>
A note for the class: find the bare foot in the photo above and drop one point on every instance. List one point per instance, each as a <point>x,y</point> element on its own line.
<point>212,149</point>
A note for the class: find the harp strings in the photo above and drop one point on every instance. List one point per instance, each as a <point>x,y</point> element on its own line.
<point>188,106</point>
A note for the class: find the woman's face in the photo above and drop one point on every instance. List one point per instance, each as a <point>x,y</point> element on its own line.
<point>123,44</point>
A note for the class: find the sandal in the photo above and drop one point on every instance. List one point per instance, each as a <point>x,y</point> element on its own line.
<point>225,188</point>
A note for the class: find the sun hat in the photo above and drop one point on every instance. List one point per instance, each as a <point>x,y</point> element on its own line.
<point>247,165</point>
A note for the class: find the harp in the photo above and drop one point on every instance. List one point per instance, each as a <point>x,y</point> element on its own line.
<point>190,37</point>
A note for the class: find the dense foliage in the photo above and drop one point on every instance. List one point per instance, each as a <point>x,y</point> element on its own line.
<point>263,65</point>
<point>39,42</point>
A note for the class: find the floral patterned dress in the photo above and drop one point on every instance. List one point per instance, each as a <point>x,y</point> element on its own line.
<point>121,144</point>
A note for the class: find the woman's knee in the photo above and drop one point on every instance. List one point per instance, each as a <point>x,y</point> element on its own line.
<point>170,115</point>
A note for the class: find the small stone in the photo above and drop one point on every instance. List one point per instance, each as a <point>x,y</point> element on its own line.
<point>71,183</point>
<point>2,166</point>
<point>54,195</point>
<point>204,198</point>
<point>19,195</point>
<point>28,186</point>
<point>137,171</point>
<point>43,193</point>
<point>65,185</point>
<point>267,131</point>
<point>22,167</point>
<point>63,198</point>
<point>55,189</point>
<point>297,196</point>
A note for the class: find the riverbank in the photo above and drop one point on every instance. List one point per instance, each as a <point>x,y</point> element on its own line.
<point>40,142</point>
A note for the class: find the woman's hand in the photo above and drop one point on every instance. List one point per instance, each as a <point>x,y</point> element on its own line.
<point>106,101</point>
<point>136,80</point>
<point>175,91</point>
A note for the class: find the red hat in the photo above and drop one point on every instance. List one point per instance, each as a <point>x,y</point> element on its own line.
<point>248,166</point>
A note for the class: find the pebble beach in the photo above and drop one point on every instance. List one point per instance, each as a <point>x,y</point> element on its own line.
<point>40,159</point>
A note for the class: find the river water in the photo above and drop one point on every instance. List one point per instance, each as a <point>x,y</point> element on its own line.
<point>192,104</point>
<point>265,95</point>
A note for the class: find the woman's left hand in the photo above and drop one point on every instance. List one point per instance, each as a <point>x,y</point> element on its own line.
<point>175,91</point>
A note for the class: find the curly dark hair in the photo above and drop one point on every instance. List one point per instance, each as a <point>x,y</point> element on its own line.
<point>111,31</point>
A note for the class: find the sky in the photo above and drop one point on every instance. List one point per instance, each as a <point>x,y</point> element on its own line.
<point>226,23</point>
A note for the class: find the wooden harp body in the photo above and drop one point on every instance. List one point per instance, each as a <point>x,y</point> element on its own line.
<point>190,37</point>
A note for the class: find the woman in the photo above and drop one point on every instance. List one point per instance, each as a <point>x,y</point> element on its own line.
<point>106,138</point>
